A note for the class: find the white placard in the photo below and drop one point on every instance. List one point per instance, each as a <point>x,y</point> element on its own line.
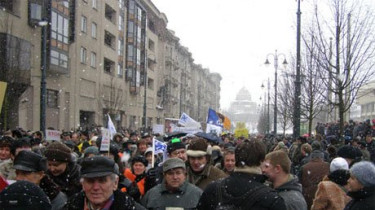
<point>158,128</point>
<point>53,135</point>
<point>106,139</point>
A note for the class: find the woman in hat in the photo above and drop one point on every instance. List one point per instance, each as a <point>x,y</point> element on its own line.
<point>62,169</point>
<point>362,186</point>
<point>137,174</point>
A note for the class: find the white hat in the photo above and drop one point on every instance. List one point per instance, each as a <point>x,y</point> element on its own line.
<point>337,164</point>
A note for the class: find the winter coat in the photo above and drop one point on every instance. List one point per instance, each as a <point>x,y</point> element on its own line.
<point>291,192</point>
<point>209,174</point>
<point>52,190</point>
<point>371,148</point>
<point>330,196</point>
<point>237,189</point>
<point>362,200</point>
<point>69,180</point>
<point>143,182</point>
<point>159,197</point>
<point>121,201</point>
<point>311,174</point>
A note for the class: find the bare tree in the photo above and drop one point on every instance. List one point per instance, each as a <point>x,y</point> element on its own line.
<point>348,65</point>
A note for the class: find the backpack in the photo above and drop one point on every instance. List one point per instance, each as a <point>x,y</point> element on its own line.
<point>246,202</point>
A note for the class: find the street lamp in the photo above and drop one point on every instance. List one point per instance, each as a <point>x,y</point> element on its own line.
<point>297,106</point>
<point>276,65</point>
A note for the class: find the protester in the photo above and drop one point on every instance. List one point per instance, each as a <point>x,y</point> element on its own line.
<point>176,148</point>
<point>31,167</point>
<point>99,183</point>
<point>61,168</point>
<point>228,163</point>
<point>174,191</point>
<point>243,188</point>
<point>6,168</point>
<point>199,170</point>
<point>24,195</point>
<point>276,167</point>
<point>311,174</point>
<point>361,186</point>
<point>331,193</point>
<point>137,175</point>
<point>5,147</point>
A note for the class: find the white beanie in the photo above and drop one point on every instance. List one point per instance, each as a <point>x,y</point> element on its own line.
<point>337,164</point>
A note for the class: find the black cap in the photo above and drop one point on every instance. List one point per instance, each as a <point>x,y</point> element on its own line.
<point>30,161</point>
<point>24,195</point>
<point>141,159</point>
<point>175,144</point>
<point>98,166</point>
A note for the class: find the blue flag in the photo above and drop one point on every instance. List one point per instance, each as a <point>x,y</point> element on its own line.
<point>213,118</point>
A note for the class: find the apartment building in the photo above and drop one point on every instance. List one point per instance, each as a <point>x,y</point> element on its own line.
<point>113,57</point>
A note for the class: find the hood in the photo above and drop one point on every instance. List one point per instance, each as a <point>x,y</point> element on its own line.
<point>292,184</point>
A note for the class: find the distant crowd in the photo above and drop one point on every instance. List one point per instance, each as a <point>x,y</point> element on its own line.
<point>194,172</point>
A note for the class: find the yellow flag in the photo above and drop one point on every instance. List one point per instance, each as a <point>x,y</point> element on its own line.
<point>3,87</point>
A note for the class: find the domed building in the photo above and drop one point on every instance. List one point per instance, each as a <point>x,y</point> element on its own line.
<point>243,109</point>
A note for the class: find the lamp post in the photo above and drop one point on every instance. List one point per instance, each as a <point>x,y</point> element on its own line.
<point>276,65</point>
<point>43,84</point>
<point>297,106</point>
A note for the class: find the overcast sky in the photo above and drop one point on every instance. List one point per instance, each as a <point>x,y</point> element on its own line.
<point>234,37</point>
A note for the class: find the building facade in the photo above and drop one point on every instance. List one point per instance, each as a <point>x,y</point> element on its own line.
<point>113,57</point>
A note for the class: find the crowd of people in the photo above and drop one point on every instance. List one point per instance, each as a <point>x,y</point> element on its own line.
<point>253,172</point>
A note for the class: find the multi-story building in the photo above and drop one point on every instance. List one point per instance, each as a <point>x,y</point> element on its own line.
<point>113,57</point>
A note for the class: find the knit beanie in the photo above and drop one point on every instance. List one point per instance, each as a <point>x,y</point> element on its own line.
<point>347,151</point>
<point>364,171</point>
<point>338,163</point>
<point>57,151</point>
<point>198,148</point>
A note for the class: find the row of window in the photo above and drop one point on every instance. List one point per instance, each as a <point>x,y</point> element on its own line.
<point>84,27</point>
<point>108,64</point>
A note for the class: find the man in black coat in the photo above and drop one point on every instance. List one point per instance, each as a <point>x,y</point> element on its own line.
<point>244,188</point>
<point>99,184</point>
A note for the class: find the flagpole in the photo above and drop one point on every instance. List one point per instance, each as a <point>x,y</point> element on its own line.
<point>109,146</point>
<point>153,152</point>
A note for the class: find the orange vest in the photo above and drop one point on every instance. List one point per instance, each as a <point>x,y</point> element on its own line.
<point>141,184</point>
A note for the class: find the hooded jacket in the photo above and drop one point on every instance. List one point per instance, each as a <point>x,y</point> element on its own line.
<point>236,191</point>
<point>291,192</point>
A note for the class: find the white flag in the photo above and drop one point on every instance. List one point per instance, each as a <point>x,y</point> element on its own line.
<point>187,121</point>
<point>111,127</point>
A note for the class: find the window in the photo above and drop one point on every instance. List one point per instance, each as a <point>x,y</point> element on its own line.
<point>110,13</point>
<point>121,22</point>
<point>120,71</point>
<point>59,58</point>
<point>151,45</point>
<point>95,4</point>
<point>93,30</point>
<point>93,59</point>
<point>120,47</point>
<point>109,66</point>
<point>52,98</point>
<point>83,24</point>
<point>83,55</point>
<point>59,28</point>
<point>150,83</point>
<point>109,40</point>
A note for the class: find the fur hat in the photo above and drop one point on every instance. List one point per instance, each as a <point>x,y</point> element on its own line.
<point>364,171</point>
<point>198,148</point>
<point>6,141</point>
<point>57,151</point>
<point>337,164</point>
<point>347,151</point>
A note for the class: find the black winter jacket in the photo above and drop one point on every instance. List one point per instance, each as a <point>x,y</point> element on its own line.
<point>236,190</point>
<point>121,201</point>
<point>362,200</point>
